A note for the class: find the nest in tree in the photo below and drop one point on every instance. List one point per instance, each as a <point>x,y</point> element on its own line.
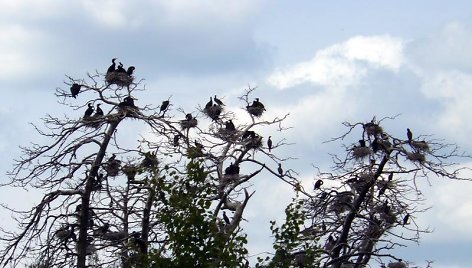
<point>213,111</point>
<point>373,231</point>
<point>112,167</point>
<point>416,157</point>
<point>119,79</point>
<point>130,171</point>
<point>341,201</point>
<point>360,152</point>
<point>188,123</point>
<point>372,129</point>
<point>254,143</point>
<point>194,152</point>
<point>230,177</point>
<point>420,145</point>
<point>150,160</point>
<point>255,110</point>
<point>227,134</point>
<point>362,181</point>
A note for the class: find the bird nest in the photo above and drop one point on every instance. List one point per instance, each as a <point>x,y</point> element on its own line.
<point>194,152</point>
<point>420,145</point>
<point>119,79</point>
<point>372,129</point>
<point>416,157</point>
<point>254,143</point>
<point>228,135</point>
<point>230,177</point>
<point>341,201</point>
<point>130,171</point>
<point>112,168</point>
<point>360,152</point>
<point>186,124</point>
<point>255,110</point>
<point>213,111</point>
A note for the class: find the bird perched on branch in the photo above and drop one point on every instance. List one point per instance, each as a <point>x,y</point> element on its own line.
<point>98,111</point>
<point>75,90</point>
<point>409,134</point>
<point>164,106</point>
<point>89,111</point>
<point>112,66</point>
<point>318,184</point>
<point>225,218</point>
<point>130,70</point>
<point>269,143</point>
<point>120,68</point>
<point>218,101</point>
<point>280,170</point>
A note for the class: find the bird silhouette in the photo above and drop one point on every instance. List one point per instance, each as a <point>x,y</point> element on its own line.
<point>390,176</point>
<point>112,66</point>
<point>225,218</point>
<point>280,170</point>
<point>218,101</point>
<point>406,218</point>
<point>75,90</point>
<point>164,105</point>
<point>209,104</point>
<point>229,125</point>
<point>120,68</point>
<point>318,184</point>
<point>89,111</point>
<point>362,143</point>
<point>130,70</point>
<point>409,134</point>
<point>269,143</point>
<point>98,111</point>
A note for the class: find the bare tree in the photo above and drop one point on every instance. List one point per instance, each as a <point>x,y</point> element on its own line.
<point>107,201</point>
<point>368,204</point>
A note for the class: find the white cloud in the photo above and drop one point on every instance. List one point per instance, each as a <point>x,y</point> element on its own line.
<point>344,64</point>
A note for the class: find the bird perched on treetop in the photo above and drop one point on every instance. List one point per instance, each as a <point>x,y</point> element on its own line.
<point>269,143</point>
<point>75,90</point>
<point>130,70</point>
<point>112,66</point>
<point>318,184</point>
<point>164,105</point>
<point>218,101</point>
<point>409,134</point>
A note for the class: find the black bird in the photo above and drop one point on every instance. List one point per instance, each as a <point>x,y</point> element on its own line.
<point>248,134</point>
<point>112,66</point>
<point>130,70</point>
<point>188,117</point>
<point>318,184</point>
<point>258,104</point>
<point>229,125</point>
<point>209,104</point>
<point>98,111</point>
<point>280,170</point>
<point>386,207</point>
<point>198,145</point>
<point>269,143</point>
<point>89,111</point>
<point>362,143</point>
<point>176,140</point>
<point>226,218</point>
<point>406,218</point>
<point>218,101</point>
<point>120,68</point>
<point>375,145</point>
<point>323,226</point>
<point>104,228</point>
<point>75,90</point>
<point>129,101</point>
<point>409,134</point>
<point>390,176</point>
<point>164,105</point>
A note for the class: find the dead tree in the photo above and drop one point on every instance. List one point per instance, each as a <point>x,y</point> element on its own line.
<point>372,196</point>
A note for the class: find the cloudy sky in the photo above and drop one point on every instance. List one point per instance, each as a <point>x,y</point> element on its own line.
<point>324,63</point>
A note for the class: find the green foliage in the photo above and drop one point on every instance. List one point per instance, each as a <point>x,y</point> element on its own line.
<point>196,238</point>
<point>291,250</point>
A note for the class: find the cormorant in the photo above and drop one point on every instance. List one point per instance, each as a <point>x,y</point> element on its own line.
<point>409,134</point>
<point>129,101</point>
<point>406,218</point>
<point>390,176</point>
<point>164,105</point>
<point>176,140</point>
<point>89,110</point>
<point>98,111</point>
<point>198,145</point>
<point>323,226</point>
<point>120,68</point>
<point>188,117</point>
<point>130,70</point>
<point>318,184</point>
<point>386,207</point>
<point>112,66</point>
<point>218,101</point>
<point>226,218</point>
<point>75,90</point>
<point>209,104</point>
<point>375,145</point>
<point>258,104</point>
<point>280,170</point>
<point>362,143</point>
<point>269,143</point>
<point>229,125</point>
